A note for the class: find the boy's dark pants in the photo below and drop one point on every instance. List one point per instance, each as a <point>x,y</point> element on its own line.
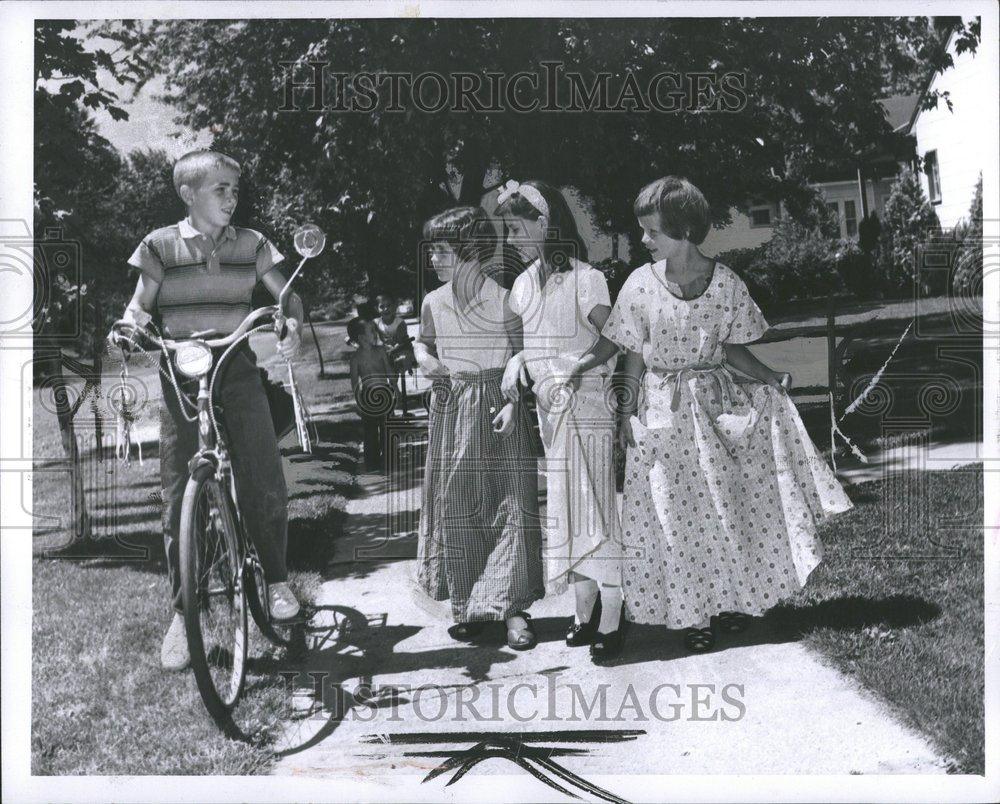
<point>253,449</point>
<point>373,428</point>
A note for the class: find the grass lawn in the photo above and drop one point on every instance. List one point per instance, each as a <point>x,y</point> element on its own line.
<point>100,703</point>
<point>901,603</point>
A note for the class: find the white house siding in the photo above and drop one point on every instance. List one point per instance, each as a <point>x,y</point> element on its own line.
<point>961,137</point>
<point>737,234</point>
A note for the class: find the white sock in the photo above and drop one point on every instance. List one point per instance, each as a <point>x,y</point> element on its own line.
<point>586,597</point>
<point>611,608</point>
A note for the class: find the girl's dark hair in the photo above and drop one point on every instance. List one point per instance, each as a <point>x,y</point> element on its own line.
<point>384,294</point>
<point>683,210</point>
<point>468,230</point>
<point>562,240</point>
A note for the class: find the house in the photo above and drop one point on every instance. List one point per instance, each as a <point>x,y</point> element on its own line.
<point>850,198</point>
<point>947,148</point>
<point>951,144</point>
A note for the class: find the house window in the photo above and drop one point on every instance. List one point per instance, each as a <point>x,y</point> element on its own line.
<point>761,216</point>
<point>933,177</point>
<point>850,218</point>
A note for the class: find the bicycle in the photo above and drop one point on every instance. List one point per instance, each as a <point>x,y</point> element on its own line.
<point>222,577</point>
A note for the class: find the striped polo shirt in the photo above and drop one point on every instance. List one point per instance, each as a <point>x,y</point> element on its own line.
<point>204,285</point>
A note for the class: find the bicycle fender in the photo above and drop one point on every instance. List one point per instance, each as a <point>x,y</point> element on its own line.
<point>201,466</point>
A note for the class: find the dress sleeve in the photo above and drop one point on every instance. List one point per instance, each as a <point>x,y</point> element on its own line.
<point>745,323</point>
<point>427,334</point>
<point>592,291</point>
<point>147,260</point>
<point>267,256</point>
<point>628,324</point>
<point>517,299</point>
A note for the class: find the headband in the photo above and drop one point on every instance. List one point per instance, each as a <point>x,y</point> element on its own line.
<point>527,192</point>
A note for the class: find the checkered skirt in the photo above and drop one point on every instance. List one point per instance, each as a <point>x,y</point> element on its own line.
<point>480,543</point>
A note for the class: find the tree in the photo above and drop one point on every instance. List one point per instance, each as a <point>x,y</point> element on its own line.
<point>76,174</point>
<point>370,178</point>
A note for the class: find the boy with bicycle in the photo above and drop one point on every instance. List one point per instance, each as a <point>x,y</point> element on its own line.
<point>198,276</point>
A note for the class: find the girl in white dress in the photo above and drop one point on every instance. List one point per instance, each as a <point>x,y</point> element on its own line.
<point>723,486</point>
<point>562,303</point>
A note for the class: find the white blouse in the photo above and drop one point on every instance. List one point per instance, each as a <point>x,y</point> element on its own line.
<point>555,317</point>
<point>470,339</point>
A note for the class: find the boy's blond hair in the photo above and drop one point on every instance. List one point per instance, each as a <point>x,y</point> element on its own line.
<point>192,168</point>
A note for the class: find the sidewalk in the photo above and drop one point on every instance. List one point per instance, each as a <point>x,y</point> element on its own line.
<point>760,703</point>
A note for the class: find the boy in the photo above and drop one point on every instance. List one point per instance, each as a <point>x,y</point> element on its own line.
<point>398,344</point>
<point>198,275</point>
<point>370,381</point>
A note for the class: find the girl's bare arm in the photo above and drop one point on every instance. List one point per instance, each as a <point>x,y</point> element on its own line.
<point>742,359</point>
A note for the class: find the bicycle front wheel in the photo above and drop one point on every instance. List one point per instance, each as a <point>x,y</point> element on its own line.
<point>215,605</point>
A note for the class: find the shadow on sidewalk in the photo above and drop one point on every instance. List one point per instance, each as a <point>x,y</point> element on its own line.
<point>343,645</point>
<point>785,623</point>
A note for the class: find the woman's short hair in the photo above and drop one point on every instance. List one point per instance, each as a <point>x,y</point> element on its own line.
<point>468,230</point>
<point>192,168</point>
<point>683,210</point>
<point>563,240</point>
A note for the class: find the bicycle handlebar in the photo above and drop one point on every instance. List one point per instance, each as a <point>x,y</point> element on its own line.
<point>215,343</point>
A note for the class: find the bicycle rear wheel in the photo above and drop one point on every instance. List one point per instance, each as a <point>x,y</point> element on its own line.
<point>215,606</point>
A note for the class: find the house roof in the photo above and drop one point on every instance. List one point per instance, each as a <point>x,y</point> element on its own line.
<point>929,81</point>
<point>899,110</point>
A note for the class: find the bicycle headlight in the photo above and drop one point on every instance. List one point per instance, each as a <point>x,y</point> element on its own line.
<point>193,359</point>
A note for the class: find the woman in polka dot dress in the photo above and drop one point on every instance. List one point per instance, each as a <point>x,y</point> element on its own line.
<point>723,486</point>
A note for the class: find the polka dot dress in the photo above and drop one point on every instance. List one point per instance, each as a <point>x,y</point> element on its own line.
<point>724,488</point>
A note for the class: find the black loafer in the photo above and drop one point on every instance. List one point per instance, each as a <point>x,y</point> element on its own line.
<point>583,634</point>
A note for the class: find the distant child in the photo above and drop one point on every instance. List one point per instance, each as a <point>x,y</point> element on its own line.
<point>371,375</point>
<point>398,343</point>
<point>364,311</point>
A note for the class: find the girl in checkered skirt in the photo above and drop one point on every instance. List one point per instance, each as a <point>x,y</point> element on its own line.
<point>479,537</point>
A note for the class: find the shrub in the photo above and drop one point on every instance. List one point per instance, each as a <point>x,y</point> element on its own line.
<point>908,224</point>
<point>967,277</point>
<point>798,262</point>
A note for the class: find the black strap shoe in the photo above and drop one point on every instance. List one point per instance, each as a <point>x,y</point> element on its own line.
<point>607,647</point>
<point>583,634</point>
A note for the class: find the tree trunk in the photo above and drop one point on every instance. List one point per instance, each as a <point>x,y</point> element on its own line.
<point>81,519</point>
<point>97,354</point>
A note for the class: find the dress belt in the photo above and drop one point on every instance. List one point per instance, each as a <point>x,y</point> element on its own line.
<point>677,376</point>
<point>485,375</point>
